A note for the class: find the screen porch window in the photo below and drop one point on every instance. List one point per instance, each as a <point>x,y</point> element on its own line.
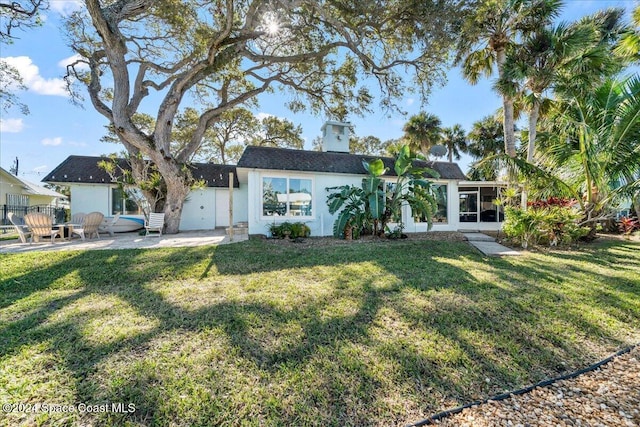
<point>287,197</point>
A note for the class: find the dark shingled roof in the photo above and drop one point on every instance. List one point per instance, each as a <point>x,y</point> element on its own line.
<point>331,162</point>
<point>84,169</point>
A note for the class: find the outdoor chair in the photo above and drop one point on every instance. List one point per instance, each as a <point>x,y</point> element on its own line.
<point>89,226</point>
<point>77,218</point>
<point>155,223</point>
<point>40,225</point>
<point>18,223</point>
<point>109,223</point>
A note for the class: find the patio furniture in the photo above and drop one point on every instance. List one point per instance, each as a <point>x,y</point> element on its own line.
<point>77,218</point>
<point>89,225</point>
<point>40,225</point>
<point>21,228</point>
<point>155,223</point>
<point>110,223</point>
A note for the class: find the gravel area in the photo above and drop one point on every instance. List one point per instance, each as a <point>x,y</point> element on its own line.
<point>608,396</point>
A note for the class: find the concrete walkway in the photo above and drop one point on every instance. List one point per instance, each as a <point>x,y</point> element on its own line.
<point>488,246</point>
<point>127,241</point>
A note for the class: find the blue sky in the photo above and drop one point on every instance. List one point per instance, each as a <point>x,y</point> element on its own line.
<point>55,128</point>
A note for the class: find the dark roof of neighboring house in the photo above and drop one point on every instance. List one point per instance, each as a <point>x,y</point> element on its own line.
<point>329,162</point>
<point>84,169</point>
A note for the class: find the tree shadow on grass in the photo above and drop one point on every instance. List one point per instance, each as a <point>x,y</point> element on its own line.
<point>333,358</point>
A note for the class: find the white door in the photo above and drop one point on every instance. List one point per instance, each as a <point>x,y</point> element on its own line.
<point>222,208</point>
<point>198,212</point>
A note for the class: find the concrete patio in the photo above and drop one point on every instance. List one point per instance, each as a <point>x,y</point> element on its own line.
<point>127,241</point>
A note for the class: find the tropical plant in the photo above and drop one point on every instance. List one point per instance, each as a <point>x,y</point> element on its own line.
<point>422,131</point>
<point>291,230</point>
<point>590,149</point>
<point>557,57</point>
<point>486,139</point>
<point>490,33</point>
<point>370,205</point>
<point>629,44</point>
<point>543,225</point>
<point>455,140</point>
<point>626,225</point>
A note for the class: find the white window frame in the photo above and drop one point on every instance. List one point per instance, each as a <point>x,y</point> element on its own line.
<point>287,216</point>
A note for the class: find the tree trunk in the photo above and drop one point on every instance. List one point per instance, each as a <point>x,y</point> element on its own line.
<point>177,191</point>
<point>507,108</point>
<point>533,123</point>
<point>636,206</point>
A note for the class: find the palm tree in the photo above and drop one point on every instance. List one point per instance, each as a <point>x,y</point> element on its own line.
<point>486,139</point>
<point>423,131</point>
<point>591,146</point>
<point>490,33</point>
<point>455,140</point>
<point>545,57</point>
<point>630,42</point>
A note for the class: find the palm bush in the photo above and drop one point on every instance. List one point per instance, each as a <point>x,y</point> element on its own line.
<point>371,207</point>
<point>543,224</point>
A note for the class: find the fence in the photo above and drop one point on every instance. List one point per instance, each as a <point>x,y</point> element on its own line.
<point>58,214</point>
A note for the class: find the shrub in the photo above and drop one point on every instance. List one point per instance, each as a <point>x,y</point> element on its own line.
<point>549,225</point>
<point>626,225</point>
<point>291,230</point>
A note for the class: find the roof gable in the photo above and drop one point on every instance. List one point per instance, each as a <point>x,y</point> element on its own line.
<point>85,170</point>
<point>329,162</point>
<point>28,187</point>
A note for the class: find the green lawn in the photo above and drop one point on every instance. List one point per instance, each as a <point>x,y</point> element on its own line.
<point>254,333</point>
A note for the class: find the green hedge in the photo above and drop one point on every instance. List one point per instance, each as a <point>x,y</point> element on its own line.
<point>288,229</point>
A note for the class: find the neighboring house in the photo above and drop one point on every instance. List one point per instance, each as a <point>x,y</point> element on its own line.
<point>20,196</point>
<point>272,185</point>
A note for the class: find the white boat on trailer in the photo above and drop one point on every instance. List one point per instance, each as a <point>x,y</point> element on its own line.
<point>125,224</point>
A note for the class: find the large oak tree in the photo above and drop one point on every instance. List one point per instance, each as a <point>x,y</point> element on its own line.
<point>158,56</point>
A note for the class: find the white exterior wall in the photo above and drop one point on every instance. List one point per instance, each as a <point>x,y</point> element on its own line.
<point>199,210</point>
<point>239,206</point>
<point>321,222</point>
<point>87,198</point>
<point>97,198</point>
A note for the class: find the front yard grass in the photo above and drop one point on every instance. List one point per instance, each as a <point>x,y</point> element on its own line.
<point>382,333</point>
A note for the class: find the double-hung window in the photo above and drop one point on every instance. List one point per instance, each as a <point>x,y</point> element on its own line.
<point>287,197</point>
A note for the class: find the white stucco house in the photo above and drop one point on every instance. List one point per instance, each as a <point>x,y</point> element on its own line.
<point>273,185</point>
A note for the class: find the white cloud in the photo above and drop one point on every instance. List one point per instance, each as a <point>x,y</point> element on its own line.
<point>70,60</point>
<point>52,141</point>
<point>261,116</point>
<point>33,80</point>
<point>410,101</point>
<point>65,7</point>
<point>42,168</point>
<point>11,125</point>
